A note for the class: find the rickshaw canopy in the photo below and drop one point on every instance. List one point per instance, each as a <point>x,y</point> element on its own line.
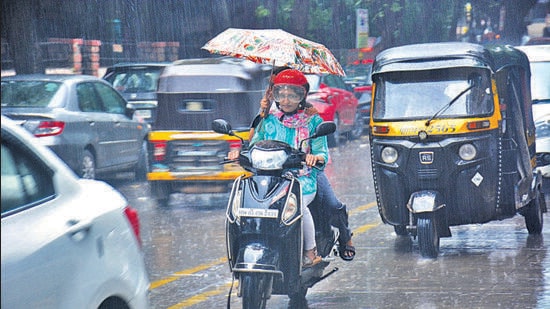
<point>432,56</point>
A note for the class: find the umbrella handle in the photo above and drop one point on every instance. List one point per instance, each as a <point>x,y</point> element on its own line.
<point>267,96</point>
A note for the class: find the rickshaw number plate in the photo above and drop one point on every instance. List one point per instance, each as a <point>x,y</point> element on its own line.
<point>426,157</point>
<point>258,213</point>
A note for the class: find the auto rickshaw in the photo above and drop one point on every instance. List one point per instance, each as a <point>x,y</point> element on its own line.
<point>452,139</point>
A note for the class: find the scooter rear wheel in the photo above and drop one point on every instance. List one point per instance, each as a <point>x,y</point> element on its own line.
<point>255,290</point>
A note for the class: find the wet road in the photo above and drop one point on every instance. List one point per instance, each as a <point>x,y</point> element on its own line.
<point>494,265</point>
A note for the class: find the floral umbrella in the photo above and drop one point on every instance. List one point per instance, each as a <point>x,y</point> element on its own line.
<point>276,47</point>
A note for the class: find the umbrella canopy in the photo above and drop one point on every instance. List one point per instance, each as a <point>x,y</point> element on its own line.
<point>276,47</point>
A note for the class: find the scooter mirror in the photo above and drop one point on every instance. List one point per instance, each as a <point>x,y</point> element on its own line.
<point>221,126</point>
<point>325,128</point>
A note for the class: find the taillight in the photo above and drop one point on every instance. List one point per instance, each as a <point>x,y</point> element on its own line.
<point>133,218</point>
<point>49,128</point>
<point>159,150</point>
<point>478,125</point>
<point>381,129</point>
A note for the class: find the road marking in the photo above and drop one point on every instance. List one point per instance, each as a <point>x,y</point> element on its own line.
<point>186,272</point>
<point>199,298</point>
<point>223,288</point>
<point>362,208</point>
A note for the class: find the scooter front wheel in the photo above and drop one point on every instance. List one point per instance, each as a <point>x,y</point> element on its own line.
<point>298,298</point>
<point>255,290</point>
<point>428,239</point>
<point>533,214</point>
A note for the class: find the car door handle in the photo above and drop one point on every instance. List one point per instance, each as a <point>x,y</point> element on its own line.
<point>91,122</point>
<point>78,229</point>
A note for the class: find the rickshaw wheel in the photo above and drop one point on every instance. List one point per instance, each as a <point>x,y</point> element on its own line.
<point>533,214</point>
<point>400,230</point>
<point>428,239</point>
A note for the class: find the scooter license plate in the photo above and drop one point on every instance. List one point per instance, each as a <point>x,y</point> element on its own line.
<point>258,213</point>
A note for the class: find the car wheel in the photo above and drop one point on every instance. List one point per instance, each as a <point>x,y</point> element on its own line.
<point>357,129</point>
<point>142,167</point>
<point>87,165</point>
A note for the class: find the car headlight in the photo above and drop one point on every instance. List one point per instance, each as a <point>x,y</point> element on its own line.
<point>268,160</point>
<point>467,152</point>
<point>389,154</point>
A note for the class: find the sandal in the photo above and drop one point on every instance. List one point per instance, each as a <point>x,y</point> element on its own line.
<point>347,249</point>
<point>309,262</point>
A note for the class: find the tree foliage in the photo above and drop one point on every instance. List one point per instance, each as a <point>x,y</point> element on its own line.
<point>192,23</point>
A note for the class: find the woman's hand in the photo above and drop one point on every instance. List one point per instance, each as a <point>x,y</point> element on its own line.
<point>312,159</point>
<point>264,106</point>
<point>233,155</point>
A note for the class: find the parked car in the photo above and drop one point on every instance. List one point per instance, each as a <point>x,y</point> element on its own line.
<point>137,82</point>
<point>539,59</point>
<point>67,242</point>
<point>82,118</point>
<point>364,102</point>
<point>335,101</point>
<point>186,154</point>
<point>358,74</point>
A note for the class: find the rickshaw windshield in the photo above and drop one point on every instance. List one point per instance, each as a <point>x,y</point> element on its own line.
<point>445,93</point>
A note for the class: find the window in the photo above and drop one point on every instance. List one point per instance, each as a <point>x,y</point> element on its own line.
<point>25,181</point>
<point>87,98</point>
<point>113,103</point>
<point>28,93</point>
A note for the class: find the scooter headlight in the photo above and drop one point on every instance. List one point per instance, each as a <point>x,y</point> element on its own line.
<point>467,152</point>
<point>268,160</point>
<point>389,154</point>
<point>290,210</point>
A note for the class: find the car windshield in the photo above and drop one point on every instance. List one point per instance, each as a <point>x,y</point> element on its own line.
<point>540,79</point>
<point>28,93</point>
<point>358,75</point>
<point>423,94</point>
<point>134,81</point>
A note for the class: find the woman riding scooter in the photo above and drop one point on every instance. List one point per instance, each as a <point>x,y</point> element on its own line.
<point>325,196</point>
<point>289,123</point>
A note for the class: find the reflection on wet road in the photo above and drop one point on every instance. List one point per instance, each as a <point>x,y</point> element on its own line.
<point>493,265</point>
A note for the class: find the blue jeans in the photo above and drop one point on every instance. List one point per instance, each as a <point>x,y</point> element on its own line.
<point>334,207</point>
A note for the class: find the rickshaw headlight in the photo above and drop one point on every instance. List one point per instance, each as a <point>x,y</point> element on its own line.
<point>389,154</point>
<point>467,152</point>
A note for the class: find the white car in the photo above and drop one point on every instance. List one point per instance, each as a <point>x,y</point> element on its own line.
<point>66,242</point>
<point>539,59</point>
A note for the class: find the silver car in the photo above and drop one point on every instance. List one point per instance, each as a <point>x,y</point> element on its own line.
<point>67,242</point>
<point>82,118</point>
